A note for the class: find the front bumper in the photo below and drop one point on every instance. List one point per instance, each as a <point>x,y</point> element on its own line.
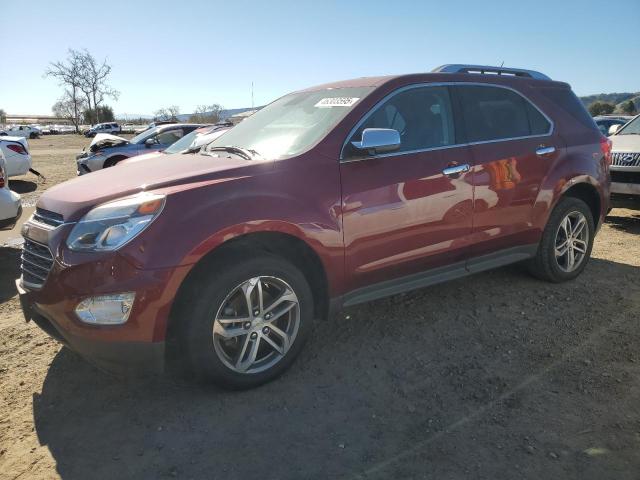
<point>625,188</point>
<point>119,358</point>
<point>135,347</point>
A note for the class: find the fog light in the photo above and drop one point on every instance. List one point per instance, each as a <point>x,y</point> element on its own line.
<point>106,309</point>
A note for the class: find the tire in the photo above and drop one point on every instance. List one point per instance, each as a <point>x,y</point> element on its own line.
<point>214,358</point>
<point>32,136</point>
<point>548,266</point>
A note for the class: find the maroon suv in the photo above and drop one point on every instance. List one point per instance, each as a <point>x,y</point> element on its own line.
<point>327,197</point>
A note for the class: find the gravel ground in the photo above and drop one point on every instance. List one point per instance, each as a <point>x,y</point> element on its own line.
<point>490,377</point>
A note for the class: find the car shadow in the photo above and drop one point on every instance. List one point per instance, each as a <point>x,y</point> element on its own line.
<point>456,378</point>
<point>23,186</point>
<point>9,271</point>
<point>628,224</point>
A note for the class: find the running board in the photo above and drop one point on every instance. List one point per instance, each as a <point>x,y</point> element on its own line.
<point>440,275</point>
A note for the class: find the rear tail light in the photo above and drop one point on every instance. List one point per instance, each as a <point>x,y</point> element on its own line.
<point>17,147</point>
<point>605,147</point>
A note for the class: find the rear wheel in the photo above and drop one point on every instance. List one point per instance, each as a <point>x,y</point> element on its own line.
<point>246,322</point>
<point>566,243</point>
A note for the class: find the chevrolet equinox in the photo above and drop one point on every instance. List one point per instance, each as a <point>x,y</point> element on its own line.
<point>328,197</point>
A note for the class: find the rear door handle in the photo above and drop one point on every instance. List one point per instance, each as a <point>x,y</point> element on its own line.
<point>543,151</point>
<point>455,170</point>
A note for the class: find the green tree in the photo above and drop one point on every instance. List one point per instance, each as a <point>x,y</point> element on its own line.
<point>601,108</point>
<point>105,114</point>
<point>206,114</point>
<point>629,108</point>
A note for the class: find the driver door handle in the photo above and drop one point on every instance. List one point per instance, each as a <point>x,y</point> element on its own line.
<point>543,151</point>
<point>455,170</point>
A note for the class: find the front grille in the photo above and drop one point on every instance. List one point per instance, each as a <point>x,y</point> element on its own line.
<point>625,177</point>
<point>48,218</point>
<point>37,261</point>
<point>625,159</point>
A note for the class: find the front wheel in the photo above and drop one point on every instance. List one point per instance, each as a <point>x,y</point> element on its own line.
<point>566,243</point>
<point>246,322</point>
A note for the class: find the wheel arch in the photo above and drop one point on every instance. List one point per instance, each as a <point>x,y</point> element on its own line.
<point>111,161</point>
<point>284,245</point>
<point>588,193</point>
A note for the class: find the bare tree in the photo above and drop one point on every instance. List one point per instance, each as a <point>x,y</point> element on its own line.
<point>68,74</point>
<point>3,116</point>
<point>168,113</point>
<point>68,107</point>
<point>93,82</point>
<point>206,114</point>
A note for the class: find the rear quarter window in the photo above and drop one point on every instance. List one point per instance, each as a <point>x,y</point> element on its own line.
<point>565,99</point>
<point>494,113</point>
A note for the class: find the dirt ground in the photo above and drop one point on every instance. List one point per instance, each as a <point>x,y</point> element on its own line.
<point>497,376</point>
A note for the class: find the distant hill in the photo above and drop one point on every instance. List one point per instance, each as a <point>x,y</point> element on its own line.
<point>616,98</point>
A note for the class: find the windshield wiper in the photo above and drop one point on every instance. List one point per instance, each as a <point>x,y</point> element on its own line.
<point>191,149</point>
<point>241,152</point>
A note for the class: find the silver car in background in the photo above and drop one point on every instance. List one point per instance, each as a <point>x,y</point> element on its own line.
<point>107,150</point>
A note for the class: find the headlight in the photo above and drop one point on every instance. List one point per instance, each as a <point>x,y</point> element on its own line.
<point>111,225</point>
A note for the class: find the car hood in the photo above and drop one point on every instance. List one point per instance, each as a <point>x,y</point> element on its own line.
<point>625,143</point>
<point>140,158</point>
<point>106,140</point>
<point>72,199</point>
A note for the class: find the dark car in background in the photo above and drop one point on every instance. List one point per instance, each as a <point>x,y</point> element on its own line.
<point>107,150</point>
<point>328,197</point>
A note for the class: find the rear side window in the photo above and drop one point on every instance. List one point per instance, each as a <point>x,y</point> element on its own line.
<point>567,100</point>
<point>493,113</point>
<point>423,116</point>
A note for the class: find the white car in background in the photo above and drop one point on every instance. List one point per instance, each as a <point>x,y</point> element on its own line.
<point>10,204</point>
<point>16,154</point>
<point>24,131</point>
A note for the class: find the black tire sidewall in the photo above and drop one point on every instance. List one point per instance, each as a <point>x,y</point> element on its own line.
<point>200,314</point>
<point>565,207</point>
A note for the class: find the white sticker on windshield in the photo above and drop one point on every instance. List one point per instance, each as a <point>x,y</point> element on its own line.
<point>336,102</point>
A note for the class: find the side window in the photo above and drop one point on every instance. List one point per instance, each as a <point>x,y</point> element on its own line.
<point>493,113</point>
<point>169,136</point>
<point>423,116</point>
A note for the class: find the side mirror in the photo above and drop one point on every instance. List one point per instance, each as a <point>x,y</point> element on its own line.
<point>149,141</point>
<point>378,140</point>
<point>614,128</point>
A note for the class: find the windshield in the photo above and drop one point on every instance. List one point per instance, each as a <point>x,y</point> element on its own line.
<point>293,123</point>
<point>631,128</point>
<point>141,137</point>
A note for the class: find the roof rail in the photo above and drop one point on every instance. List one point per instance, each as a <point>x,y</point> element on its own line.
<point>517,72</point>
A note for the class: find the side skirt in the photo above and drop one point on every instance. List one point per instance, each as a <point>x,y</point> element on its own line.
<point>439,275</point>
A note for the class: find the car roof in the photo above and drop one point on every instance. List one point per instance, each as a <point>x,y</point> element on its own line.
<point>431,77</point>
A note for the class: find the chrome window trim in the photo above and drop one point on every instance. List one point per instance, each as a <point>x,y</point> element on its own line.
<point>342,158</point>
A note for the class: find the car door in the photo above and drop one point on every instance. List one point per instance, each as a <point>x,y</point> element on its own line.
<point>513,147</point>
<point>401,213</point>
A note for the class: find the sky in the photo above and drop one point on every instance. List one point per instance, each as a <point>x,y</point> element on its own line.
<point>188,53</point>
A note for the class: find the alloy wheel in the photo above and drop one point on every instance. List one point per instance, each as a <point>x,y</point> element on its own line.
<point>572,241</point>
<point>256,324</point>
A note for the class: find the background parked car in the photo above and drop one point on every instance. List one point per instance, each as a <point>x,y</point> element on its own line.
<point>24,131</point>
<point>190,143</point>
<point>16,154</point>
<point>107,150</point>
<point>625,165</point>
<point>605,122</point>
<point>10,204</point>
<point>110,127</point>
<point>127,128</point>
